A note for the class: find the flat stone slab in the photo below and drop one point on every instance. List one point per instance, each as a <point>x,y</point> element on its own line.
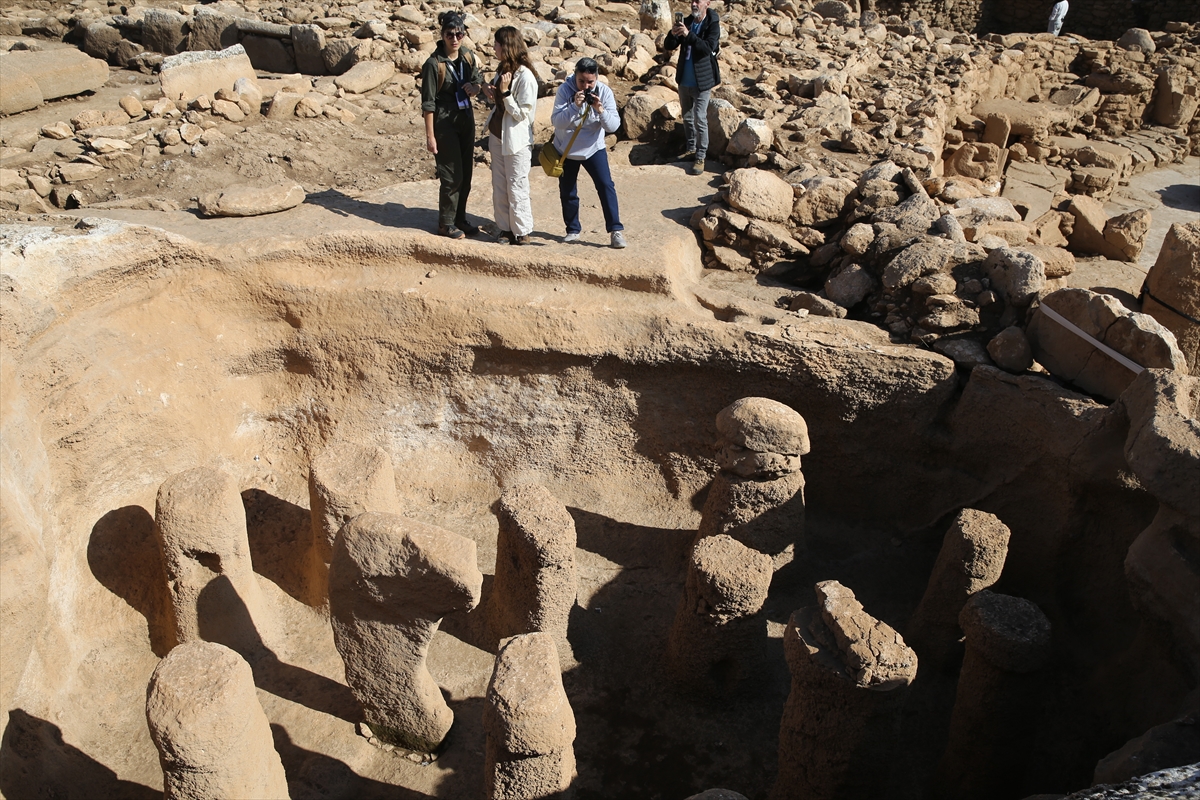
<point>365,76</point>
<point>252,201</point>
<point>31,78</point>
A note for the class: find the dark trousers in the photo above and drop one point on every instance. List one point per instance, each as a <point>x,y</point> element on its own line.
<point>568,192</point>
<point>455,136</point>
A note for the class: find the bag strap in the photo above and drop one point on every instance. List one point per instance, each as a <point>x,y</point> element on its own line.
<point>571,143</point>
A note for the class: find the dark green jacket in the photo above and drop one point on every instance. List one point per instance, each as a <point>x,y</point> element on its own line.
<point>441,99</point>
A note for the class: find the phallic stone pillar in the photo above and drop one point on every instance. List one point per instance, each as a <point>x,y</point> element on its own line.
<point>1008,640</point>
<point>391,581</point>
<point>346,480</point>
<point>529,723</point>
<point>841,720</point>
<point>215,596</point>
<point>212,736</point>
<point>536,581</point>
<point>971,559</point>
<point>758,496</point>
<point>718,628</point>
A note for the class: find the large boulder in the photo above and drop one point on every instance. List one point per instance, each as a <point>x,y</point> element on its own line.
<point>1176,97</point>
<point>189,75</point>
<point>31,78</point>
<point>723,121</point>
<point>1136,338</point>
<point>1173,289</point>
<point>1139,38</point>
<point>639,110</point>
<point>760,194</point>
<point>163,31</point>
<point>1016,275</point>
<point>251,201</point>
<point>750,137</point>
<point>365,76</point>
<point>823,202</point>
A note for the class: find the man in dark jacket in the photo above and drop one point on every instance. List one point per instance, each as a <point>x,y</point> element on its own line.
<point>699,39</point>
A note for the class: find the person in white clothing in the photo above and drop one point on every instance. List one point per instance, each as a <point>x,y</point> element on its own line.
<point>1057,14</point>
<point>514,91</point>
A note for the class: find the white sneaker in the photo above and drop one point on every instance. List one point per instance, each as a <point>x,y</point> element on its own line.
<point>618,240</point>
<point>570,237</point>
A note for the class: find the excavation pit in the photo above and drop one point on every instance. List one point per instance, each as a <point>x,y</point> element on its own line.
<point>132,355</point>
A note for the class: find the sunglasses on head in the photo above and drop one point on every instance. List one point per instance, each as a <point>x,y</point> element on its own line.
<point>455,34</point>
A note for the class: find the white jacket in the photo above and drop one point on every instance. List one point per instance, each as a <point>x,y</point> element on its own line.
<point>519,109</point>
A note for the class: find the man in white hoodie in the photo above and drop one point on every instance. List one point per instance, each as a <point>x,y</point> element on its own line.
<point>581,91</point>
<point>1057,14</point>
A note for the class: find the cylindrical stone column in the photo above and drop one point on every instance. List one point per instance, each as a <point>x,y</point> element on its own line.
<point>995,708</point>
<point>215,596</point>
<point>971,559</point>
<point>718,632</point>
<point>346,480</point>
<point>391,581</point>
<point>213,739</point>
<point>758,496</point>
<point>529,723</point>
<point>841,721</point>
<point>536,582</point>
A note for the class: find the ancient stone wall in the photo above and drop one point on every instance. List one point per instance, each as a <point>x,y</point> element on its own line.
<point>1097,19</point>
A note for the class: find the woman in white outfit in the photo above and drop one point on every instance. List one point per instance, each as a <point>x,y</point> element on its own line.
<point>1057,14</point>
<point>514,90</point>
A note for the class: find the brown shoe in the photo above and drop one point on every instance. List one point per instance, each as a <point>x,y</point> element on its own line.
<point>450,231</point>
<point>697,167</point>
<point>521,239</point>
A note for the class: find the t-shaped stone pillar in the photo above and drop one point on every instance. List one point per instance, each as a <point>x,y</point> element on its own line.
<point>529,723</point>
<point>212,736</point>
<point>841,719</point>
<point>346,480</point>
<point>758,496</point>
<point>391,581</point>
<point>717,632</point>
<point>971,559</point>
<point>536,582</point>
<point>995,707</point>
<point>201,527</point>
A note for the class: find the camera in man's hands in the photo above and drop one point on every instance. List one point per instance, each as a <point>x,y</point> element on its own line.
<point>589,96</point>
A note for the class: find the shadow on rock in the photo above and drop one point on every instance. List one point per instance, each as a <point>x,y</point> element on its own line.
<point>123,554</point>
<point>36,762</point>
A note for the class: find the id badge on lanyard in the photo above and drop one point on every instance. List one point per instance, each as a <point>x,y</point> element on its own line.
<point>460,94</point>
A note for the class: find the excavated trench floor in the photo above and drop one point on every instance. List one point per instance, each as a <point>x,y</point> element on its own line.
<point>132,354</point>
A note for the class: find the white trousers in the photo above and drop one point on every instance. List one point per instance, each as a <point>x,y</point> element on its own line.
<point>510,189</point>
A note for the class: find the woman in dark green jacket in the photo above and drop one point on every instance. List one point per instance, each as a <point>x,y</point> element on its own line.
<point>449,79</point>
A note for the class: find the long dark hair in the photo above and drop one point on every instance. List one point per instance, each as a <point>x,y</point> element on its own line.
<point>513,52</point>
<point>451,21</point>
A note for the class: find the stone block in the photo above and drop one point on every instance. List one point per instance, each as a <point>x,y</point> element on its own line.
<point>54,73</point>
<point>163,31</point>
<point>188,75</point>
<point>307,43</point>
<point>1173,289</point>
<point>365,76</point>
<point>268,54</point>
<point>1137,337</point>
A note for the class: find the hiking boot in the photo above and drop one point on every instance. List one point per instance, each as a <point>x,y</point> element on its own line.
<point>523,239</point>
<point>467,228</point>
<point>450,231</point>
<point>689,155</point>
<point>617,240</point>
<point>504,237</point>
<point>697,167</point>
<point>571,237</point>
